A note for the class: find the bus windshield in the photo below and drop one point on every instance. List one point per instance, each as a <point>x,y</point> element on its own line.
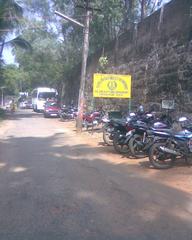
<point>45,95</point>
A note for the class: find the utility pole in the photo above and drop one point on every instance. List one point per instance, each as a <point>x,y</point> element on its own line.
<point>2,103</point>
<point>84,64</point>
<point>2,96</point>
<point>81,100</point>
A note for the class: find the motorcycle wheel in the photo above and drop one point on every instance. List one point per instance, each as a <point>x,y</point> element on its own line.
<point>119,147</point>
<point>159,159</point>
<point>136,146</point>
<point>62,118</point>
<point>106,138</point>
<point>188,160</point>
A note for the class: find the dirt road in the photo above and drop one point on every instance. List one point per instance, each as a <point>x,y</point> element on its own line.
<point>56,185</point>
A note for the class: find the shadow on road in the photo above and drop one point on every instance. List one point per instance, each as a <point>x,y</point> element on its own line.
<point>21,114</point>
<point>50,190</point>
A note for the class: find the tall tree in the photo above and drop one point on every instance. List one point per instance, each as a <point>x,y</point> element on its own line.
<point>10,14</point>
<point>52,60</point>
<point>15,79</point>
<point>44,65</point>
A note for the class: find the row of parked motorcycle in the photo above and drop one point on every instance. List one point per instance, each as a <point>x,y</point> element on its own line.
<point>160,138</point>
<point>90,119</point>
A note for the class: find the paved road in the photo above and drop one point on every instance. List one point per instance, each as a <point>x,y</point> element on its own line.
<point>56,186</point>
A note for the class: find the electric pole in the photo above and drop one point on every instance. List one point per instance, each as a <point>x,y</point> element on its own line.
<point>81,100</point>
<point>2,96</point>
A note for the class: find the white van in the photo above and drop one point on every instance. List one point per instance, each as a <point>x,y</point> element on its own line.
<point>40,95</point>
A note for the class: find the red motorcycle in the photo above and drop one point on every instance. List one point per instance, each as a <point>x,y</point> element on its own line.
<point>92,119</point>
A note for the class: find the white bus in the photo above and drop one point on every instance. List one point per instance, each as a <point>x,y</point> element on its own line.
<point>40,95</point>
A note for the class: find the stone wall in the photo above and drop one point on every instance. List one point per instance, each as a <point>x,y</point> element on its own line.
<point>157,53</point>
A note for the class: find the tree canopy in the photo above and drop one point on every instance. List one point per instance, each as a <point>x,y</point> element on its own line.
<point>56,43</point>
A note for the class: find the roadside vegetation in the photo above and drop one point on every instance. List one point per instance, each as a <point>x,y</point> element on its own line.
<point>56,45</point>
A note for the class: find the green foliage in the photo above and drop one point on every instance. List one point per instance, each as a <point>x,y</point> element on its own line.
<point>10,15</point>
<point>10,12</point>
<point>102,65</point>
<point>44,65</point>
<point>15,79</point>
<point>52,61</point>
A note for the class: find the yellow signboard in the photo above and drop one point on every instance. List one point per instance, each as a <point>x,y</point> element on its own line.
<point>111,86</point>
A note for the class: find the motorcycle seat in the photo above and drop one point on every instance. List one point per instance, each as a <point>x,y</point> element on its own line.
<point>118,121</point>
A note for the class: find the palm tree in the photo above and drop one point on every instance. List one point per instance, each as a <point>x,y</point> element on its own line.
<point>10,14</point>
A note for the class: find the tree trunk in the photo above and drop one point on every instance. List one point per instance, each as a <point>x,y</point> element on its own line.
<point>143,2</point>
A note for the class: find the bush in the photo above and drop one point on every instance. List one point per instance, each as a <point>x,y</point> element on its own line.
<point>102,65</point>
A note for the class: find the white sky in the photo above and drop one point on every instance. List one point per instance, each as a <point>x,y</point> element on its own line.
<point>8,56</point>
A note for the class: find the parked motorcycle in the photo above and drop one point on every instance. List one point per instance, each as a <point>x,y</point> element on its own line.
<point>112,126</point>
<point>142,137</point>
<point>108,131</point>
<point>121,136</point>
<point>170,146</point>
<point>143,133</point>
<point>164,153</point>
<point>134,139</point>
<point>92,119</point>
<point>68,113</point>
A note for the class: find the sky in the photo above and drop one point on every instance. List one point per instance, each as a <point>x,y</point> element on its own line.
<point>8,56</point>
<point>10,59</point>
